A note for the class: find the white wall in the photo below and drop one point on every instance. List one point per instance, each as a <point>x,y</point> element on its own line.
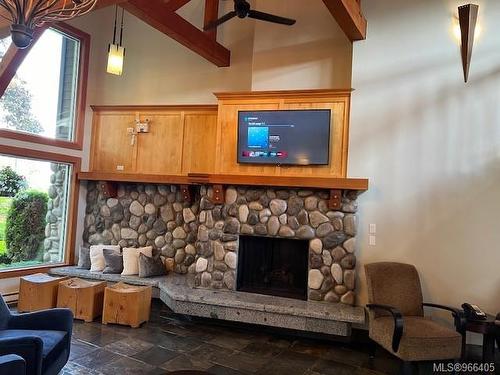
<point>430,146</point>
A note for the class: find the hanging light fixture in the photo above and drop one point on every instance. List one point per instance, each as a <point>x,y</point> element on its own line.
<point>116,51</point>
<point>26,15</point>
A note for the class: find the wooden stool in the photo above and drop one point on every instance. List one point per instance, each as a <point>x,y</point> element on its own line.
<point>84,298</point>
<point>126,304</point>
<point>38,292</point>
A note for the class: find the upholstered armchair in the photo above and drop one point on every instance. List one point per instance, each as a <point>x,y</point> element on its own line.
<point>37,342</point>
<point>397,320</point>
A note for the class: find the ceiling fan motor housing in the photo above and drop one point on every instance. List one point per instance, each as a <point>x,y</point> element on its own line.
<point>242,8</point>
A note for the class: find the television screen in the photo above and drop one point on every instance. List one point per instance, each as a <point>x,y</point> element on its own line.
<point>294,137</point>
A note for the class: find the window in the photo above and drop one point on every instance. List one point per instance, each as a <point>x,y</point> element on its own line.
<point>34,206</point>
<point>44,100</point>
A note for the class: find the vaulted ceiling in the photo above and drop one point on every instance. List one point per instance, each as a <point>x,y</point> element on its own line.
<point>161,14</point>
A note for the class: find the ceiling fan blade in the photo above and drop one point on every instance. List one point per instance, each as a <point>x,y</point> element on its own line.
<point>220,21</point>
<point>270,18</point>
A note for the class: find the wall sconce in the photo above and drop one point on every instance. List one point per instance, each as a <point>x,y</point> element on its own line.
<point>116,52</point>
<point>467,18</point>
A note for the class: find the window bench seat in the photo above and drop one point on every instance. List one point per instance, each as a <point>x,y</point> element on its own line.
<point>109,277</point>
<point>178,293</point>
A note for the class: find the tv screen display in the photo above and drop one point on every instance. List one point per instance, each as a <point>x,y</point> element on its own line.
<point>293,137</point>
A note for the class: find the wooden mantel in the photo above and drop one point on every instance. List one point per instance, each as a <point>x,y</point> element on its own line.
<point>328,183</point>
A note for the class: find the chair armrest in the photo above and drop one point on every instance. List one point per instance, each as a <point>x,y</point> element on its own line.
<point>30,348</point>
<point>398,323</point>
<point>12,364</point>
<point>46,320</point>
<point>458,315</point>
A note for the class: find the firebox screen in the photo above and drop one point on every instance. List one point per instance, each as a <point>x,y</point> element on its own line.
<point>273,266</point>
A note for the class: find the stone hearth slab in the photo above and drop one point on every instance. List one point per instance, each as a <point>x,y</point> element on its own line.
<point>329,318</point>
<point>180,296</point>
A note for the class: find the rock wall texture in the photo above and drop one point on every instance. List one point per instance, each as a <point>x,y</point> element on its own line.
<point>201,238</point>
<point>54,229</point>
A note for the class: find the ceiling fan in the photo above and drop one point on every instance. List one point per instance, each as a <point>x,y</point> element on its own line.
<point>242,9</point>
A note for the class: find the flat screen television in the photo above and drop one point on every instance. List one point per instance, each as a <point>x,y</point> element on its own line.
<point>289,137</point>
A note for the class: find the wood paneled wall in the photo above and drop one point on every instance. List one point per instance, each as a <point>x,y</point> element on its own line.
<point>227,126</point>
<point>203,139</point>
<point>177,142</point>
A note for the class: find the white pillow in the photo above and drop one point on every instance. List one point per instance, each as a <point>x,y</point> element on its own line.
<point>131,259</point>
<point>97,263</point>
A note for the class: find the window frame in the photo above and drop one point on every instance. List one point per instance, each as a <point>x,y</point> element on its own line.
<point>8,71</point>
<point>72,214</point>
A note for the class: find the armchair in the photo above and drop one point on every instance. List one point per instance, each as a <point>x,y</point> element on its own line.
<point>40,339</point>
<point>397,320</point>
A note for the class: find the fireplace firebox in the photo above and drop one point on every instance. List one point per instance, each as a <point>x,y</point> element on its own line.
<point>273,266</point>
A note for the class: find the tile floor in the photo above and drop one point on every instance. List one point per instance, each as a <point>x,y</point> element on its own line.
<point>171,342</point>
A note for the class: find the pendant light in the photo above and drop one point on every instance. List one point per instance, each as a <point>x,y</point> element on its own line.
<point>116,51</point>
<point>25,16</point>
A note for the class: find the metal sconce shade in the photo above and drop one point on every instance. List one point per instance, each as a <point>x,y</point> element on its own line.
<point>116,56</point>
<point>467,17</point>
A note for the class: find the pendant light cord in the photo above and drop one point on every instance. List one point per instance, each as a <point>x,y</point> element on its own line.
<point>121,27</point>
<point>114,29</point>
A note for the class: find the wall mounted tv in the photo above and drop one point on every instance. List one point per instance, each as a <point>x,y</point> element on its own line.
<point>289,137</point>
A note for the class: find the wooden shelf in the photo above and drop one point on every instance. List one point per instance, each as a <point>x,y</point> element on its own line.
<point>222,179</point>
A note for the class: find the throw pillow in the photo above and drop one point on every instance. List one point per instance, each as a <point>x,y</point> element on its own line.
<point>151,266</point>
<point>131,259</point>
<point>84,258</point>
<point>113,260</point>
<point>97,262</point>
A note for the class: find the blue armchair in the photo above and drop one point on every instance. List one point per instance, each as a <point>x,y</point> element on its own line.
<point>35,343</point>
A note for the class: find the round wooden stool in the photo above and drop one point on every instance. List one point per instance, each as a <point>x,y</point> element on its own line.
<point>84,298</point>
<point>126,304</point>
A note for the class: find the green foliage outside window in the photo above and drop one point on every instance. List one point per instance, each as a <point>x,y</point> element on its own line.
<point>25,229</point>
<point>11,182</point>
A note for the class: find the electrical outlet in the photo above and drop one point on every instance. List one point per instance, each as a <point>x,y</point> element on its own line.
<point>373,228</point>
<point>372,240</point>
<point>120,168</point>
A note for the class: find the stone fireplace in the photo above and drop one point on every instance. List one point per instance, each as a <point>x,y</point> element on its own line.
<point>208,242</point>
<point>273,266</point>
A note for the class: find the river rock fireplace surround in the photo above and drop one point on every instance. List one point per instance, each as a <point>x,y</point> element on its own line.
<point>202,239</point>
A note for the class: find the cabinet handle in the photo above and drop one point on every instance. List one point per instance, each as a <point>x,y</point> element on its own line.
<point>132,140</point>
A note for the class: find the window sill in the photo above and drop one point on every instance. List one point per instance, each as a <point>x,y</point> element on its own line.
<point>32,138</point>
<point>18,272</point>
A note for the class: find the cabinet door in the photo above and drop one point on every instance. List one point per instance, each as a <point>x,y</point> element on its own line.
<point>160,150</point>
<point>200,139</point>
<point>113,148</point>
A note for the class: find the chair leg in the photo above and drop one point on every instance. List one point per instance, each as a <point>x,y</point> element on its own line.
<point>407,368</point>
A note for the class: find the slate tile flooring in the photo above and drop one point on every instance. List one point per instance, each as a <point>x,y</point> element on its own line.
<point>171,342</point>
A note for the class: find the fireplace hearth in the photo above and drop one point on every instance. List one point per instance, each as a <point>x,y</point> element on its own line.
<point>273,266</point>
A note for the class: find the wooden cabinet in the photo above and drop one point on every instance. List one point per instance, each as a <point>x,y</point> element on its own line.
<point>202,139</point>
<point>176,143</point>
<point>230,103</point>
<point>113,150</point>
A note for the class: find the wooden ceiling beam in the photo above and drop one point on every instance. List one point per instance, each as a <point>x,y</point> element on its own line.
<point>155,14</point>
<point>12,59</point>
<point>348,15</point>
<point>211,14</point>
<point>174,5</point>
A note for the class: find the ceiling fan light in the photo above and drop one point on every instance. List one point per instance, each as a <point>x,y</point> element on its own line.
<point>116,56</point>
<point>22,35</point>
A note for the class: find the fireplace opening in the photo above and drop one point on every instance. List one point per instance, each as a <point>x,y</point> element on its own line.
<point>273,266</point>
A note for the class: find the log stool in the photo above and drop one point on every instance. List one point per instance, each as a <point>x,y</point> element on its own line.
<point>127,304</point>
<point>38,292</point>
<point>84,298</point>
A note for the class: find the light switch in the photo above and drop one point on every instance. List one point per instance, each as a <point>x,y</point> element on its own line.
<point>373,228</point>
<point>372,240</point>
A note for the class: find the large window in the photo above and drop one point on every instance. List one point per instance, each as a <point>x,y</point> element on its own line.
<point>34,202</point>
<point>44,100</point>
